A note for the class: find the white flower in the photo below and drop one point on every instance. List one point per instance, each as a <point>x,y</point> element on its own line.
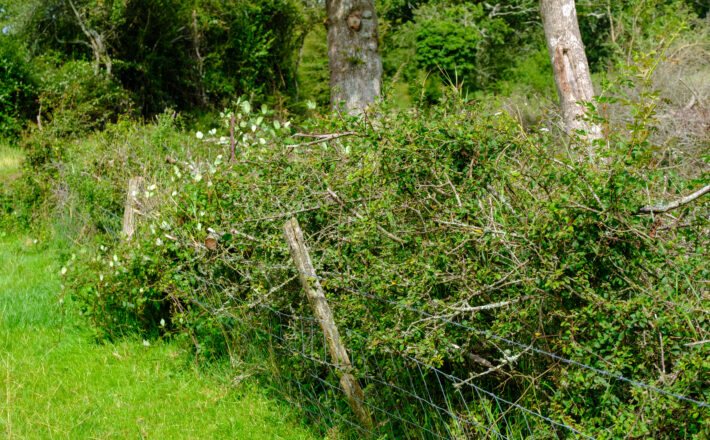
<point>64,270</point>
<point>253,128</point>
<point>213,132</point>
<point>199,135</point>
<point>544,130</point>
<point>162,322</point>
<point>152,187</point>
<point>101,277</point>
<point>146,343</point>
<point>262,141</point>
<point>310,105</point>
<point>158,242</point>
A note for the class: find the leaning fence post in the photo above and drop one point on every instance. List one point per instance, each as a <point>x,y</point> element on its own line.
<point>135,190</point>
<point>322,312</point>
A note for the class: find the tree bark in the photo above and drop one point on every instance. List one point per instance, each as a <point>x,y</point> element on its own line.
<point>353,56</point>
<point>569,65</point>
<point>96,42</point>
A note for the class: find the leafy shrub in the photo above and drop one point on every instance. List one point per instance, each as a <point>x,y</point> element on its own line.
<point>444,210</point>
<point>460,42</point>
<point>252,45</point>
<point>75,101</point>
<point>17,88</point>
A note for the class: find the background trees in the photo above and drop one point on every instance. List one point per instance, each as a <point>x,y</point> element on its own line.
<point>200,55</point>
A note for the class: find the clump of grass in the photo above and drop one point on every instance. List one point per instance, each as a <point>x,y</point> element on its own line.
<point>10,161</point>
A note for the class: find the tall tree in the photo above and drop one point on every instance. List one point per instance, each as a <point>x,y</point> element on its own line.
<point>569,65</point>
<point>353,56</point>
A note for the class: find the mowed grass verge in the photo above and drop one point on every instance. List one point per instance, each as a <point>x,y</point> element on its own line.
<point>57,383</point>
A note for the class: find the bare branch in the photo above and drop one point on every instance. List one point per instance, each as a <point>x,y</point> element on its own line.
<point>659,209</point>
<point>320,138</point>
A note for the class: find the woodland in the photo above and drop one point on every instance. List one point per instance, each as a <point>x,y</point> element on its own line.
<point>404,218</point>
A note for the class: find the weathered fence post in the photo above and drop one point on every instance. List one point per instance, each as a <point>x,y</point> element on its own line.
<point>134,194</point>
<point>322,312</point>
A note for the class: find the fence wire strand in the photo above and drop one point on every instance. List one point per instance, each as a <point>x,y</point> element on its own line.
<point>399,420</point>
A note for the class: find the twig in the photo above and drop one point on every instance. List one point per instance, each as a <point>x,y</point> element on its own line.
<point>659,209</point>
<point>320,138</point>
<point>384,232</point>
<point>490,306</point>
<point>692,344</point>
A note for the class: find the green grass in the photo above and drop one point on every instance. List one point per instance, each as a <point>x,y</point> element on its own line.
<point>56,383</point>
<point>10,160</point>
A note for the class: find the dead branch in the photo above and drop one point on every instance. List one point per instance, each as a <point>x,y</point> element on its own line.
<point>659,209</point>
<point>321,138</point>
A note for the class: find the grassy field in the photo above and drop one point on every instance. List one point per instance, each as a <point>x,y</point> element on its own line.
<point>56,383</point>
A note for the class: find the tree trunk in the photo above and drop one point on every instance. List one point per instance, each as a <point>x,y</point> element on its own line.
<point>569,65</point>
<point>96,42</point>
<point>353,57</point>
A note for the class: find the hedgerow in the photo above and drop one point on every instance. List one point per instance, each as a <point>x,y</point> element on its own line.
<point>455,211</point>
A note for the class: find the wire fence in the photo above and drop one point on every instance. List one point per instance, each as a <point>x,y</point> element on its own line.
<point>407,396</point>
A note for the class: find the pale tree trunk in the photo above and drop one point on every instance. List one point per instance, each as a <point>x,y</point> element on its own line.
<point>353,57</point>
<point>569,65</point>
<point>96,42</point>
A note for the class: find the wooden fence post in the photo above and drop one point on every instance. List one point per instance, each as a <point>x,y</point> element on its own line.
<point>134,194</point>
<point>322,312</point>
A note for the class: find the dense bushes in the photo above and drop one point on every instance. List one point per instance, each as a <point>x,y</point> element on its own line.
<point>17,88</point>
<point>443,210</point>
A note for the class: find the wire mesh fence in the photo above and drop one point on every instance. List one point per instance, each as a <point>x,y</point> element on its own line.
<point>406,395</point>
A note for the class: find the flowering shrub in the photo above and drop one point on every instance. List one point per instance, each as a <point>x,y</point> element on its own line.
<point>454,212</point>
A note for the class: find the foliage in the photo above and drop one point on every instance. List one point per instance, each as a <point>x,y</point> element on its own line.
<point>173,53</point>
<point>459,42</point>
<point>450,207</point>
<point>74,101</point>
<point>250,48</point>
<point>474,212</point>
<point>17,88</point>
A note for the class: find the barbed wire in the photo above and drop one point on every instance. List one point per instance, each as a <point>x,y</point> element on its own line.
<point>491,335</point>
<point>444,411</point>
<point>323,362</point>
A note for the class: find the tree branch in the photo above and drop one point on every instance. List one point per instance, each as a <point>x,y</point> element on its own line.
<point>659,209</point>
